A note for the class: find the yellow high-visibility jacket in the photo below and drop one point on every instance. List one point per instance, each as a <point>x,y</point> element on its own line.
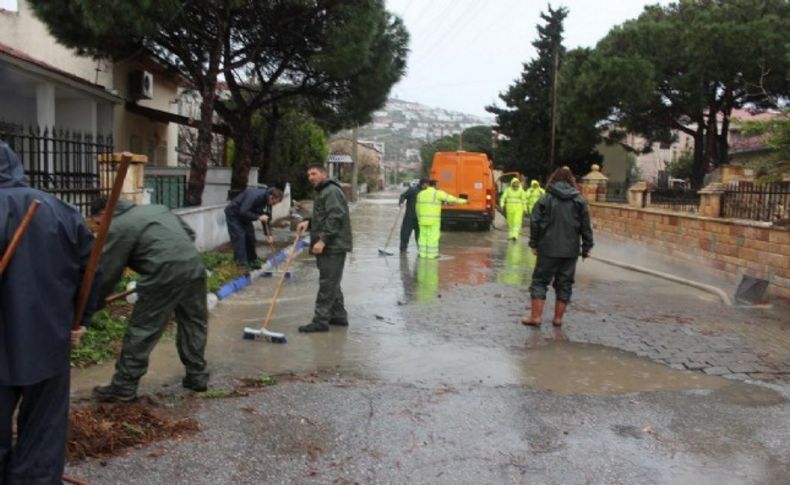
<point>429,205</point>
<point>514,200</point>
<point>533,195</point>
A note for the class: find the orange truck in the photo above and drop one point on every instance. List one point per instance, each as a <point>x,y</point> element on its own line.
<point>467,175</point>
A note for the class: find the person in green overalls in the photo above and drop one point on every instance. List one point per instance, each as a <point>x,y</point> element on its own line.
<point>330,240</point>
<point>158,245</point>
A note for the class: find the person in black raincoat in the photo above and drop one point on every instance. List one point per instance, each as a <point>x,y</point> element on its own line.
<point>409,224</point>
<point>38,295</point>
<point>254,204</point>
<point>560,230</point>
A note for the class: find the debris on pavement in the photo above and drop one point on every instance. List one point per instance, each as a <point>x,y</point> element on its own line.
<point>100,430</point>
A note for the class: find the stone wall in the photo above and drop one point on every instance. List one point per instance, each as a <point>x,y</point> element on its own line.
<point>730,248</point>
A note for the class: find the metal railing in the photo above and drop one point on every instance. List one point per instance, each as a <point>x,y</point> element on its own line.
<point>169,190</point>
<point>61,162</point>
<point>616,192</point>
<point>758,202</point>
<point>674,199</point>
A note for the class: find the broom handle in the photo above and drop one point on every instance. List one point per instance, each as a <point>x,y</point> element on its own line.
<point>120,295</point>
<point>101,237</point>
<point>17,237</point>
<point>392,229</point>
<point>282,279</point>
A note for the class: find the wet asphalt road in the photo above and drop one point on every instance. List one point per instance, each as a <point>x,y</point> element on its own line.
<point>436,382</point>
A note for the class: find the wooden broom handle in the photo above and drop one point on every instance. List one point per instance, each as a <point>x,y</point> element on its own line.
<point>17,237</point>
<point>101,238</point>
<point>282,279</point>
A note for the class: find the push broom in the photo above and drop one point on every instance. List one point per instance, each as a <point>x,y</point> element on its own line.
<point>264,333</point>
<point>384,252</point>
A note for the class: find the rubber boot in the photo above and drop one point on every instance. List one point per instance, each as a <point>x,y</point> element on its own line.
<point>536,315</point>
<point>559,311</point>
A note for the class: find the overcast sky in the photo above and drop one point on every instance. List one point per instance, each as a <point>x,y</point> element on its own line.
<point>465,52</point>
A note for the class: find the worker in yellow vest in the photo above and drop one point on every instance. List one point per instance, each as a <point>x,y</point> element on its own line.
<point>533,195</point>
<point>429,216</point>
<point>514,201</point>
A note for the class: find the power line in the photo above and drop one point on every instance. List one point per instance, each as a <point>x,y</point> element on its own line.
<point>459,23</point>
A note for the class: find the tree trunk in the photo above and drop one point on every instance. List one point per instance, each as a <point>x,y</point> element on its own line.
<point>199,164</point>
<point>265,172</point>
<point>242,134</point>
<point>700,163</point>
<point>723,144</point>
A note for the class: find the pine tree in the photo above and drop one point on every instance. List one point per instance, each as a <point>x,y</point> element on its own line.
<point>526,119</point>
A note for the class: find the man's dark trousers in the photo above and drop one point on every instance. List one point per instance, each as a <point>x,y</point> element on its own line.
<point>38,457</point>
<point>329,302</point>
<point>242,237</point>
<point>559,272</point>
<point>408,225</point>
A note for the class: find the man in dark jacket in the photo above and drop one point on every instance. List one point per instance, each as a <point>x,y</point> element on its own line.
<point>254,204</point>
<point>159,246</point>
<point>409,224</point>
<point>559,220</point>
<point>38,292</point>
<point>330,237</point>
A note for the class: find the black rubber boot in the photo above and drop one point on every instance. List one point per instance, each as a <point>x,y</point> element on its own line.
<point>314,327</point>
<point>339,322</point>
<point>111,393</point>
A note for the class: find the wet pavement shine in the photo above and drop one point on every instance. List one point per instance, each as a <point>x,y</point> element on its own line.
<point>436,381</point>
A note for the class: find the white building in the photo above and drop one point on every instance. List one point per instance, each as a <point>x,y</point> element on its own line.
<point>45,84</point>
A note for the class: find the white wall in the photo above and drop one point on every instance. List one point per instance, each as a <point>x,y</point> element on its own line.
<point>209,224</point>
<point>77,114</point>
<point>17,109</point>
<point>139,134</point>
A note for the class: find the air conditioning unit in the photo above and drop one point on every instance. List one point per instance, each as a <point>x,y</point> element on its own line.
<point>141,85</point>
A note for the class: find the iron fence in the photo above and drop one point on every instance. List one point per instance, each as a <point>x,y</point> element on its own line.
<point>758,202</point>
<point>61,162</point>
<point>616,192</point>
<point>169,190</point>
<point>681,200</point>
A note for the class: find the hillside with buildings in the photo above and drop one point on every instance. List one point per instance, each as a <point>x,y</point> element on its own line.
<point>403,126</point>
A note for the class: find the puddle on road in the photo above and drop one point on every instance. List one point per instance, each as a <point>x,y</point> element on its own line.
<point>574,368</point>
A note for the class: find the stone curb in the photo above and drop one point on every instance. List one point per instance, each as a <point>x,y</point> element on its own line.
<point>724,297</point>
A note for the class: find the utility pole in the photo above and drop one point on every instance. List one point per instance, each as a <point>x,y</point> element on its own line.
<point>461,141</point>
<point>355,168</point>
<point>554,83</point>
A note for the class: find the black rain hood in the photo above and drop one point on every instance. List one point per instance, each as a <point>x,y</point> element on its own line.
<point>563,190</point>
<point>11,172</point>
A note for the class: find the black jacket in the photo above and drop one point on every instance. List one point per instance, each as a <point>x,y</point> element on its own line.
<point>38,291</point>
<point>410,197</point>
<point>559,220</point>
<point>331,221</point>
<point>249,205</point>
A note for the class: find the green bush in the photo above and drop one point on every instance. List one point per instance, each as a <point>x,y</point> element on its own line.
<point>103,338</point>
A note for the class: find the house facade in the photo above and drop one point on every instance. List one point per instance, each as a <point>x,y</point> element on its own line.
<point>47,85</point>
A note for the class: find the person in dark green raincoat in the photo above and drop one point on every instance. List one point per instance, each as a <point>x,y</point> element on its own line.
<point>158,245</point>
<point>560,231</point>
<point>330,239</point>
